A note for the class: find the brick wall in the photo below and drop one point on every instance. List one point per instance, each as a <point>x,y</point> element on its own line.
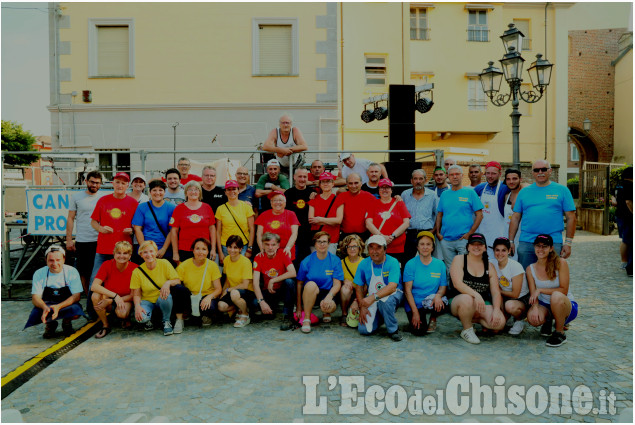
<point>592,83</point>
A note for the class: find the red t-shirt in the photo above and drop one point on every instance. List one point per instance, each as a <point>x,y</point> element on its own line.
<point>320,205</point>
<point>379,210</point>
<point>116,213</point>
<point>312,178</point>
<point>191,177</point>
<point>114,280</point>
<point>192,224</point>
<point>280,225</point>
<point>271,267</point>
<point>355,208</point>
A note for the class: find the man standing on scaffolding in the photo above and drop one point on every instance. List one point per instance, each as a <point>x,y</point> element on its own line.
<point>284,142</point>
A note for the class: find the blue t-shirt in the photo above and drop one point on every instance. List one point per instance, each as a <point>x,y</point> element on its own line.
<point>143,217</point>
<point>322,272</point>
<point>426,280</point>
<point>542,209</point>
<point>391,271</point>
<point>69,276</point>
<point>248,195</point>
<point>458,207</point>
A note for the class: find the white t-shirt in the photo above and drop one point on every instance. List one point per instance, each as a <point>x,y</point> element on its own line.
<point>84,204</point>
<point>505,276</point>
<point>360,167</point>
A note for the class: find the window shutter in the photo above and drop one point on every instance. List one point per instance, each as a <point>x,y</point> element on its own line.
<point>112,48</point>
<point>276,47</point>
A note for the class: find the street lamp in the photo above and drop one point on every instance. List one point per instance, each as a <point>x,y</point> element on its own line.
<point>512,64</point>
<point>586,125</point>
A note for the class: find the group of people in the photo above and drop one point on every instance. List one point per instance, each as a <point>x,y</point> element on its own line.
<point>194,250</point>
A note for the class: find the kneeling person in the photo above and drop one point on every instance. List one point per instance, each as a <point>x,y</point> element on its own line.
<point>239,289</point>
<point>55,294</point>
<point>112,287</point>
<point>278,283</point>
<point>378,289</point>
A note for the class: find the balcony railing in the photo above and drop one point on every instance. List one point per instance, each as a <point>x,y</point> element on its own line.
<point>477,34</point>
<point>420,33</point>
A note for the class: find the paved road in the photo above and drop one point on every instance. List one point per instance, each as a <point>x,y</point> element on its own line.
<point>255,374</point>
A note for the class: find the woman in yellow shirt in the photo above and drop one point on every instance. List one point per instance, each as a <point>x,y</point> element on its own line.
<point>234,217</point>
<point>350,249</point>
<point>238,291</point>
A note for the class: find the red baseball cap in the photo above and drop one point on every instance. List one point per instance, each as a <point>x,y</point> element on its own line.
<point>122,176</point>
<point>494,164</point>
<point>326,176</point>
<point>274,193</point>
<point>385,182</point>
<point>231,183</point>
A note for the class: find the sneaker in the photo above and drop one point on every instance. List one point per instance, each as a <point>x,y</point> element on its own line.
<point>167,328</point>
<point>287,323</point>
<point>556,339</point>
<point>206,321</point>
<point>178,326</point>
<point>67,328</point>
<point>396,336</point>
<point>519,326</point>
<point>546,328</point>
<point>49,330</point>
<point>148,326</point>
<point>470,336</point>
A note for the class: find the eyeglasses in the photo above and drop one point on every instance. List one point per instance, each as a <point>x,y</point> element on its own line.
<point>321,242</point>
<point>242,174</point>
<point>352,247</point>
<point>541,170</point>
<point>183,165</point>
<point>94,183</point>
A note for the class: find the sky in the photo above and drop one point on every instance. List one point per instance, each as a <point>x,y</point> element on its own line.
<point>25,66</point>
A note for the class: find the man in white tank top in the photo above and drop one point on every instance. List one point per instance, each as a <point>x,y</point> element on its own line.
<point>285,141</point>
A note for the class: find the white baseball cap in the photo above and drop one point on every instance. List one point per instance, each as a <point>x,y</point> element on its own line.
<point>378,239</point>
<point>345,155</point>
<point>273,162</point>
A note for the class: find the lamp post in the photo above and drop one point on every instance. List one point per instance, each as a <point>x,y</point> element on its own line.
<point>174,128</point>
<point>512,64</point>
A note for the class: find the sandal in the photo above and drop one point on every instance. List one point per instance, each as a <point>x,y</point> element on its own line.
<point>242,320</point>
<point>326,318</point>
<point>102,333</point>
<point>343,322</point>
<point>126,324</point>
<point>306,326</point>
<point>432,326</point>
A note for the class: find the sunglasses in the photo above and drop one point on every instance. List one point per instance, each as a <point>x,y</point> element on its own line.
<point>541,170</point>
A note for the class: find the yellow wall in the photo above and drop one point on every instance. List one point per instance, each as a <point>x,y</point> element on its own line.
<point>623,150</point>
<point>214,39</point>
<point>382,27</point>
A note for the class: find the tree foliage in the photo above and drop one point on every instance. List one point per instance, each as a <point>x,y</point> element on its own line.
<point>15,138</point>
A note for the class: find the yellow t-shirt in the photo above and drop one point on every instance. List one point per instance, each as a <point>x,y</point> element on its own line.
<point>238,271</point>
<point>352,266</point>
<point>160,274</point>
<point>191,276</point>
<point>241,212</point>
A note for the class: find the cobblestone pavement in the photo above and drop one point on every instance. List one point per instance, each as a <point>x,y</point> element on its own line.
<point>255,374</point>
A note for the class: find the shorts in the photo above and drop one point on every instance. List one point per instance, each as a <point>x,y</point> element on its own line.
<point>245,294</point>
<point>572,314</point>
<point>487,302</point>
<point>322,294</point>
<point>85,257</point>
<point>524,299</point>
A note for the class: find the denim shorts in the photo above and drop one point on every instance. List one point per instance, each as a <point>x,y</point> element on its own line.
<point>572,315</point>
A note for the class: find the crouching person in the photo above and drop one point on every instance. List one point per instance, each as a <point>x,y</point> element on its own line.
<point>150,285</point>
<point>55,294</point>
<point>201,277</point>
<point>378,289</point>
<point>278,283</point>
<point>111,287</point>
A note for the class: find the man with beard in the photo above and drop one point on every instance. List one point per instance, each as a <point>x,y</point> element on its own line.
<point>175,194</point>
<point>213,195</point>
<point>541,207</point>
<point>374,173</point>
<point>298,198</point>
<point>513,180</point>
<point>422,206</point>
<point>440,181</point>
<point>492,194</point>
<point>356,203</point>
<point>80,209</point>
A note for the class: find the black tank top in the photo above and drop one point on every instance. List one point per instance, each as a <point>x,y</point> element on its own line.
<point>481,283</point>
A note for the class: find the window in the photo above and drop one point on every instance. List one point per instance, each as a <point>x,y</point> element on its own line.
<point>112,163</point>
<point>575,153</point>
<point>419,24</point>
<point>476,99</point>
<point>523,26</point>
<point>275,47</point>
<point>375,70</point>
<point>477,26</point>
<point>110,48</point>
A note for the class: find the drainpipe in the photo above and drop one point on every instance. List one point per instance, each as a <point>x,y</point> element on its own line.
<point>342,73</point>
<point>546,94</point>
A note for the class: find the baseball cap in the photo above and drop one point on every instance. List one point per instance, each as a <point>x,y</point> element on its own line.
<point>378,239</point>
<point>502,241</point>
<point>273,162</point>
<point>54,248</point>
<point>425,233</point>
<point>326,176</point>
<point>139,176</point>
<point>476,238</point>
<point>345,155</point>
<point>231,183</point>
<point>494,164</point>
<point>385,182</point>
<point>545,239</point>
<point>275,193</point>
<point>122,176</point>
